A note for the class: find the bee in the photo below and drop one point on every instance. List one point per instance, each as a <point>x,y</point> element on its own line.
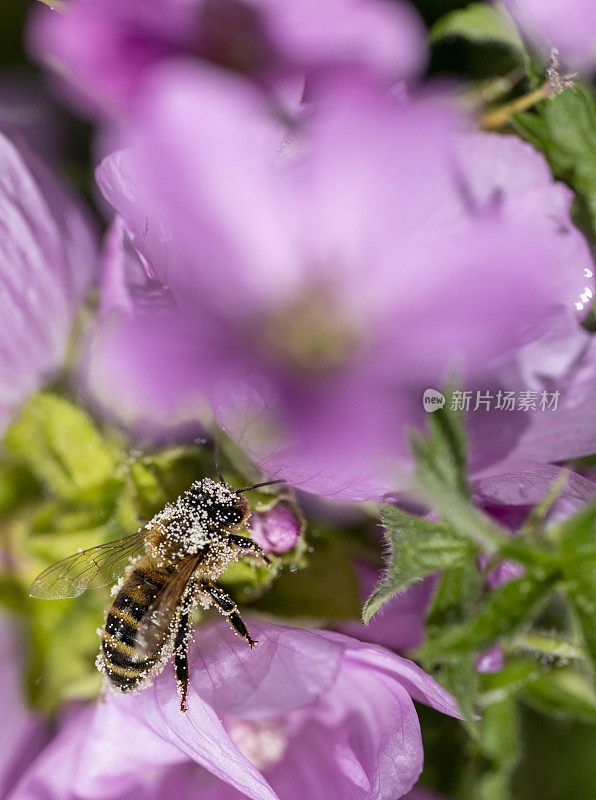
<point>169,567</point>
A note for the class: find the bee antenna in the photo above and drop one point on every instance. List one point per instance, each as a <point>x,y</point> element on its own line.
<point>257,486</point>
<point>217,456</point>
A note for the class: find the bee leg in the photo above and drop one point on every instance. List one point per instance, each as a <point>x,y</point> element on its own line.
<point>249,545</point>
<point>228,608</point>
<point>181,643</point>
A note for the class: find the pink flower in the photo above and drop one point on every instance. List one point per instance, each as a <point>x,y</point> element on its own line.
<point>317,296</point>
<point>47,263</point>
<point>23,735</point>
<point>305,714</point>
<point>105,53</point>
<point>570,27</point>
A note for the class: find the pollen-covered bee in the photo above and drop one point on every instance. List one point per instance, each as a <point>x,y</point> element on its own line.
<point>170,566</point>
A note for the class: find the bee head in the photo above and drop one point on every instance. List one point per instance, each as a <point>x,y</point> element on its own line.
<point>217,504</point>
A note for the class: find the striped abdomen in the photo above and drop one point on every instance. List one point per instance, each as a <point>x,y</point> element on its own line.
<point>131,644</point>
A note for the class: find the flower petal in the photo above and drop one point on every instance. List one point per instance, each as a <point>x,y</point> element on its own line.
<point>417,683</point>
<point>47,260</point>
<point>527,483</point>
<point>290,668</point>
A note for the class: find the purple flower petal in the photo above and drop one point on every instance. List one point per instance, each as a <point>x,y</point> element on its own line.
<point>528,483</point>
<point>571,32</point>
<point>320,369</point>
<point>23,734</point>
<point>116,177</point>
<point>305,712</point>
<point>376,756</point>
<point>47,261</point>
<point>290,668</point>
<point>418,684</point>
<point>104,56</point>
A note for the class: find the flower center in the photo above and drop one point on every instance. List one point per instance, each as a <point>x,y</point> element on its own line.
<point>263,741</point>
<point>312,334</point>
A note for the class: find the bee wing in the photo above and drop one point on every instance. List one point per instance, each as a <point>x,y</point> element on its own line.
<point>97,566</point>
<point>155,629</point>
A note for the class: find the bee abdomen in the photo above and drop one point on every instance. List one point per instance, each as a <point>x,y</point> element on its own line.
<point>126,665</point>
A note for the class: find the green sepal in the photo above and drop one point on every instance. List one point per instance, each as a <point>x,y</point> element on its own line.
<point>417,547</point>
<point>576,540</point>
<point>563,127</point>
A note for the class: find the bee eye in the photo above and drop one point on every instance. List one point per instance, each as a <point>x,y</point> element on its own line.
<point>226,515</point>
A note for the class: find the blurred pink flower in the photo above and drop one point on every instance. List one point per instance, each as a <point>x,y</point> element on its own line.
<point>104,53</point>
<point>47,263</point>
<point>305,714</point>
<point>317,294</point>
<point>569,26</point>
<point>22,735</point>
<point>491,660</point>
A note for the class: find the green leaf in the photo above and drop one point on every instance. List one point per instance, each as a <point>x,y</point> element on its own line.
<point>458,674</point>
<point>60,445</point>
<point>455,598</point>
<point>564,692</point>
<point>459,512</point>
<point>504,612</point>
<point>547,647</point>
<point>581,592</point>
<point>576,539</point>
<point>515,675</point>
<point>530,555</point>
<point>18,486</point>
<point>246,578</point>
<point>443,452</point>
<point>440,478</point>
<point>173,470</point>
<point>63,645</point>
<point>417,547</point>
<point>499,747</point>
<point>564,129</point>
<point>479,23</point>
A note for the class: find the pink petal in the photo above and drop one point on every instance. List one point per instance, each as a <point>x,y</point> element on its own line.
<point>47,261</point>
<point>290,668</point>
<point>417,683</point>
